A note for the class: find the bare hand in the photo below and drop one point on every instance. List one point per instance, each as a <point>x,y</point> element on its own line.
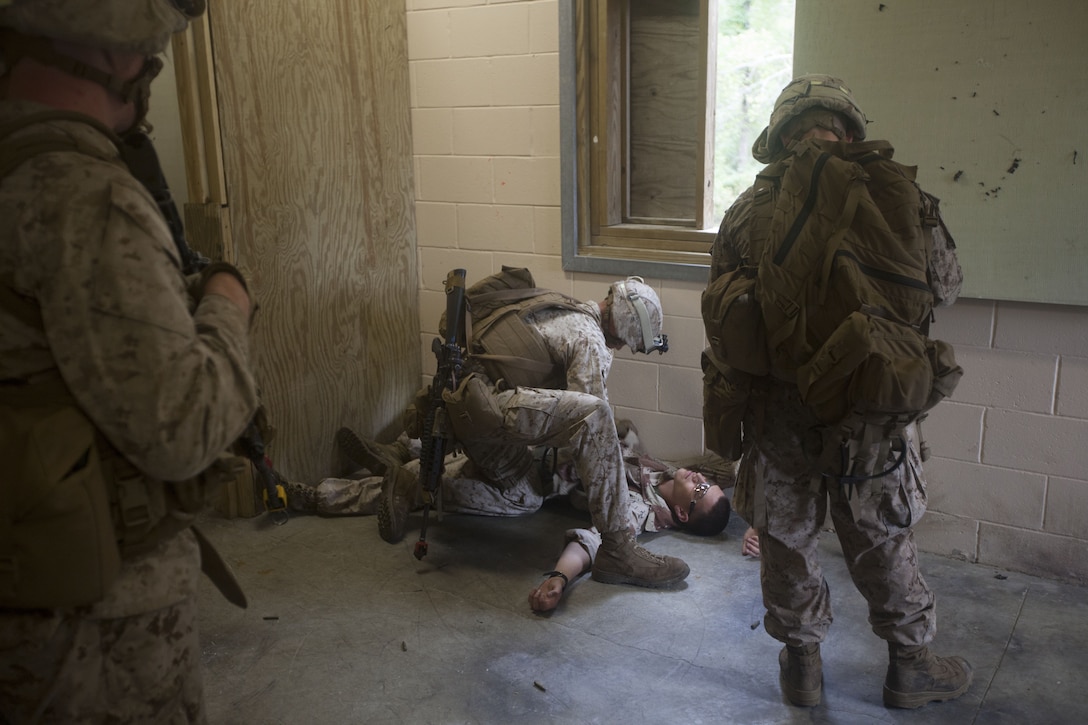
<point>750,543</point>
<point>546,596</point>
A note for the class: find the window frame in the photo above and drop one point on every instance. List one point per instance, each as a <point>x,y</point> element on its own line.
<point>595,237</point>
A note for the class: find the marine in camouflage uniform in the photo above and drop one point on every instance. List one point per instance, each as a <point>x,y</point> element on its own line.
<point>160,369</point>
<point>787,501</point>
<point>552,474</point>
<point>580,341</point>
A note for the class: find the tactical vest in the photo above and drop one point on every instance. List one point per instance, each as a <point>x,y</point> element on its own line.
<point>499,338</point>
<point>73,506</point>
<point>835,294</point>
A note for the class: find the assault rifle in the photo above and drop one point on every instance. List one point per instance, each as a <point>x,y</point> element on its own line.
<point>142,160</point>
<point>139,155</point>
<point>437,433</point>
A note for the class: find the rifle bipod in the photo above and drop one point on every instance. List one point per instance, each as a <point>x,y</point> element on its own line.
<point>421,545</point>
<point>431,500</point>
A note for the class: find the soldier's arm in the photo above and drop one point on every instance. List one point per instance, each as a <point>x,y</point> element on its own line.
<point>730,244</point>
<point>945,274</point>
<point>170,389</point>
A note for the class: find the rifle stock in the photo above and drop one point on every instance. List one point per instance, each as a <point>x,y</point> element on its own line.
<point>437,434</point>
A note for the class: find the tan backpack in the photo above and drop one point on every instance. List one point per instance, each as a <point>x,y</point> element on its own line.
<point>835,296</point>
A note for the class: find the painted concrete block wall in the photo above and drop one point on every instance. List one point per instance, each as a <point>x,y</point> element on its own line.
<point>1008,481</point>
<point>1008,478</point>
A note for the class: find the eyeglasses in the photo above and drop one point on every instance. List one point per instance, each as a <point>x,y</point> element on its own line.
<point>697,493</point>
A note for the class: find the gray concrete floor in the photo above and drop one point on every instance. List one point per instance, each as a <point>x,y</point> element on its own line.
<point>344,628</point>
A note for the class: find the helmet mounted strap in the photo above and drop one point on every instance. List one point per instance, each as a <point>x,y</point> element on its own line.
<point>136,90</point>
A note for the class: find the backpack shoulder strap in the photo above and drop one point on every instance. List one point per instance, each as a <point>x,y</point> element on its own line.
<point>520,302</point>
<point>14,152</point>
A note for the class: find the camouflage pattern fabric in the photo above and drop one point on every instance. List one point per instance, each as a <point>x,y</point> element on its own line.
<point>132,658</point>
<point>86,241</point>
<point>163,376</point>
<point>783,497</point>
<point>578,418</point>
<point>874,526</point>
<point>463,491</point>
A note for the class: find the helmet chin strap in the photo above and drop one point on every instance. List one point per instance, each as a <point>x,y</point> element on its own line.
<point>135,90</point>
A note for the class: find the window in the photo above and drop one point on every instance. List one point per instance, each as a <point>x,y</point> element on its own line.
<point>658,118</point>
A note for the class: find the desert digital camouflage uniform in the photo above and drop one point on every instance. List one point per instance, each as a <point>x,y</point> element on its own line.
<point>499,476</point>
<point>461,490</point>
<point>163,377</point>
<point>578,418</point>
<point>464,492</point>
<point>778,492</point>
<point>648,511</point>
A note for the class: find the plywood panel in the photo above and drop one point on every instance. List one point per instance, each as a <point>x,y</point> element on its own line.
<point>314,113</point>
<point>665,109</point>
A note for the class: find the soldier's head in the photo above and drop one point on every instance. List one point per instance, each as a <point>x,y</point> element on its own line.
<point>632,316</point>
<point>809,102</point>
<point>698,506</point>
<point>114,43</point>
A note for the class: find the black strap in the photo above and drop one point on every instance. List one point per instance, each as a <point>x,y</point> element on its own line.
<point>849,482</point>
<point>556,573</point>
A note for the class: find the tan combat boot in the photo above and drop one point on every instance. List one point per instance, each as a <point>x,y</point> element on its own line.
<point>378,458</point>
<point>300,497</point>
<point>398,493</point>
<point>801,674</point>
<point>620,560</point>
<point>916,676</point>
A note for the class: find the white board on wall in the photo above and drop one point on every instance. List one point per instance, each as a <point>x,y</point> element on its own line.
<point>989,98</point>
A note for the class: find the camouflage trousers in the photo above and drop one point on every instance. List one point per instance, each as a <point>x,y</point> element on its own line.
<point>874,527</point>
<point>463,491</point>
<point>132,658</point>
<point>580,422</point>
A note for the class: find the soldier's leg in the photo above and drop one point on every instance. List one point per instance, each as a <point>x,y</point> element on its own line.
<point>876,531</point>
<point>467,489</point>
<point>347,496</point>
<point>134,657</point>
<point>789,511</point>
<point>584,423</point>
<point>794,589</point>
<point>875,527</point>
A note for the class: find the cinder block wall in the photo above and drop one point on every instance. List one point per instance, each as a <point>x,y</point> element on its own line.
<point>1009,473</point>
<point>1008,483</point>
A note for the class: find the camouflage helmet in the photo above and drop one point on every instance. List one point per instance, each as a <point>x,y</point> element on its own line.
<point>637,316</point>
<point>804,93</point>
<point>142,26</point>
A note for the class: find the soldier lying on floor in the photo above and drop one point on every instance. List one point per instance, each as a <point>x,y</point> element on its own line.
<point>661,496</point>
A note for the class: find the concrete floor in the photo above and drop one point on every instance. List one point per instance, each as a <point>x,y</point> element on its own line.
<point>344,628</point>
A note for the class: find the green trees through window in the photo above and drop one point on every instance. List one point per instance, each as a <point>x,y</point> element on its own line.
<point>754,63</point>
